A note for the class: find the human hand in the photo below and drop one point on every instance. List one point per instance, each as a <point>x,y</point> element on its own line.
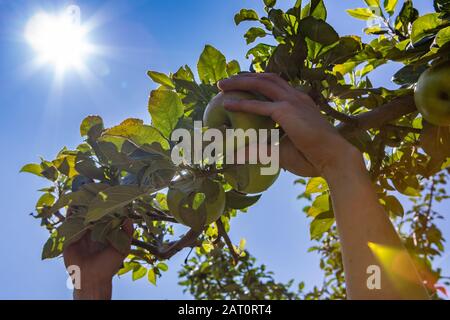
<point>312,146</point>
<point>98,264</point>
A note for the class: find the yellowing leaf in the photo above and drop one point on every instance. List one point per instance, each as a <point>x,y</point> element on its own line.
<point>389,6</point>
<point>316,185</point>
<point>136,131</point>
<point>165,108</point>
<point>374,3</point>
<point>242,244</point>
<point>361,13</point>
<point>32,168</point>
<point>151,276</point>
<point>88,123</point>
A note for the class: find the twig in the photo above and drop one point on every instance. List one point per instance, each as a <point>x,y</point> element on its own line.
<point>224,235</point>
<point>158,217</point>
<point>402,128</point>
<point>188,240</point>
<point>378,117</point>
<point>330,111</point>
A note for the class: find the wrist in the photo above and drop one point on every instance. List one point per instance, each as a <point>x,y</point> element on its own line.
<point>93,289</point>
<point>349,161</point>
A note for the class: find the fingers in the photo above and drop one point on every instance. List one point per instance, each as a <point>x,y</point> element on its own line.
<point>268,88</point>
<point>294,161</point>
<point>263,108</point>
<point>273,77</point>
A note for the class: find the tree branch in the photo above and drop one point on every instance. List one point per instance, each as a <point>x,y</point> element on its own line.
<point>330,111</point>
<point>402,128</point>
<point>188,240</point>
<point>379,116</point>
<point>224,235</point>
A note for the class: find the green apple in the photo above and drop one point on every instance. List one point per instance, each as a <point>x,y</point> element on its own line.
<point>432,95</point>
<point>247,178</point>
<point>181,205</point>
<point>216,116</point>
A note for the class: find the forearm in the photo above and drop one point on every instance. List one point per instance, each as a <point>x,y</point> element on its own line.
<point>93,290</point>
<point>367,236</point>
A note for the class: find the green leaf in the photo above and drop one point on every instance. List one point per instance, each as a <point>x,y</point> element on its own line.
<point>443,37</point>
<point>151,276</point>
<point>127,267</point>
<point>112,199</point>
<point>394,206</point>
<point>260,52</point>
<point>166,109</point>
<point>389,6</point>
<point>89,123</point>
<point>87,167</point>
<point>237,200</point>
<point>162,266</point>
<point>139,133</point>
<point>253,33</point>
<point>270,3</point>
<point>442,6</point>
<point>407,185</point>
<point>157,174</point>
<point>49,171</point>
<point>409,74</point>
<point>316,9</point>
<point>424,26</point>
<point>119,240</point>
<point>408,14</point>
<point>161,78</point>
<point>207,246</point>
<point>266,23</point>
<point>377,30</point>
<point>32,168</point>
<point>78,198</point>
<point>435,141</point>
<point>52,247</point>
<point>72,229</point>
<point>46,200</point>
<point>318,31</point>
<point>212,65</point>
<point>361,13</point>
<point>245,15</point>
<point>372,3</point>
<point>320,204</point>
<point>346,48</point>
<point>138,272</point>
<point>321,224</point>
<point>233,68</point>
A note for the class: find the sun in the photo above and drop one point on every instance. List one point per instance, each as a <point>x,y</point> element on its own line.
<point>59,40</point>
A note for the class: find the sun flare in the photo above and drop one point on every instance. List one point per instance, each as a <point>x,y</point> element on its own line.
<point>58,40</point>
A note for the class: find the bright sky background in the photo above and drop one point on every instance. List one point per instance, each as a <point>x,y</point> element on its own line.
<point>41,115</point>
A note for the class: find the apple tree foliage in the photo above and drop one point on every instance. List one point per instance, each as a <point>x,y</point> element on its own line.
<point>123,171</point>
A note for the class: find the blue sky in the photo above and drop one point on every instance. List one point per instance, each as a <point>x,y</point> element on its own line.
<point>39,117</point>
